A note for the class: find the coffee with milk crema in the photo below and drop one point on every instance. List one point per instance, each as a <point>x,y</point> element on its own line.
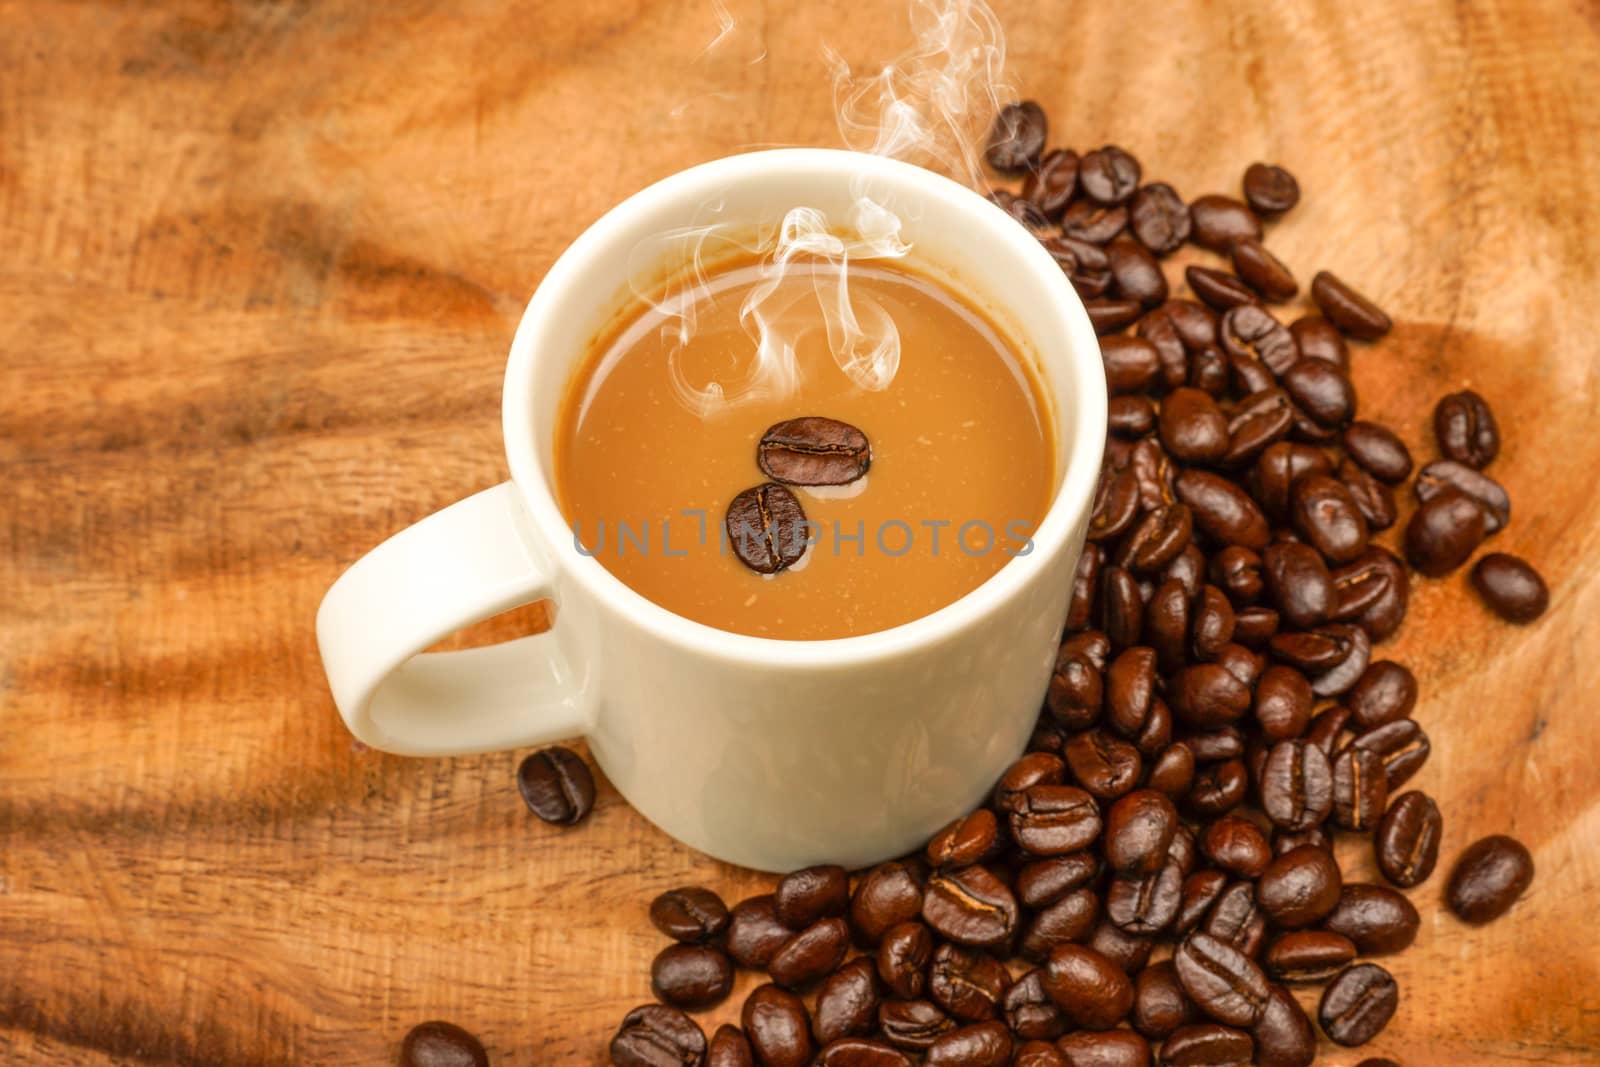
<point>786,455</point>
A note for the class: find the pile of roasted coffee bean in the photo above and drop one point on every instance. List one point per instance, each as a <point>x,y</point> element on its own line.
<point>1154,874</point>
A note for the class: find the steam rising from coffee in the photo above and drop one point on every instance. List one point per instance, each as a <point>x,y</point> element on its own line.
<point>932,105</point>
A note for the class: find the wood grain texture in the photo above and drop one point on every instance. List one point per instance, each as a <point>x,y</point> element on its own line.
<point>259,267</point>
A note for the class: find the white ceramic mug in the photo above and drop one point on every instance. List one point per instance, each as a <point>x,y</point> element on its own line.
<point>770,754</point>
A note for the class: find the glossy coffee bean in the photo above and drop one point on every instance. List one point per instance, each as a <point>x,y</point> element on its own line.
<point>1172,772</point>
<point>1155,540</point>
<point>754,932</point>
<point>1298,584</point>
<point>1296,785</point>
<point>1511,587</point>
<point>1347,309</point>
<point>1236,846</point>
<point>1250,332</point>
<point>1159,218</point>
<point>1284,1035</point>
<point>964,842</point>
<point>1160,1005</point>
<point>1282,464</point>
<point>1261,270</point>
<point>1199,892</point>
<point>650,1037</point>
<point>913,1025</point>
<point>729,1048</point>
<point>1387,691</point>
<point>1193,428</point>
<point>1283,702</point>
<point>1445,474</point>
<point>1029,1011</point>
<point>1208,1045</point>
<point>1017,139</point>
<point>1320,339</point>
<point>1145,904</point>
<point>811,954</point>
<point>1105,766</point>
<point>1218,289</point>
<point>1488,878</point>
<point>1130,416</point>
<point>1407,839</point>
<point>1138,832</point>
<point>886,896</point>
<point>1378,450</point>
<point>556,785</point>
<point>1300,887</point>
<point>1222,510</point>
<point>847,1002</point>
<point>1135,271</point>
<point>1131,363</point>
<point>1051,186</point>
<point>1111,315</point>
<point>1324,513</point>
<point>1121,606</point>
<point>1206,695</point>
<point>1373,499</point>
<point>862,1052</point>
<point>1360,789</point>
<point>968,983</point>
<point>692,977</point>
<point>1053,820</point>
<point>1466,430</point>
<point>1225,983</point>
<point>442,1044</point>
<point>903,958</point>
<point>1046,881</point>
<point>1322,391</point>
<point>1403,746</point>
<point>1093,991</point>
<point>804,896</point>
<point>692,914</point>
<point>1373,592</point>
<point>1037,1054</point>
<point>978,1045</point>
<point>1236,920</point>
<point>1218,221</point>
<point>1269,189</point>
<point>1105,1048</point>
<point>776,1025</point>
<point>1308,956</point>
<point>1086,220</point>
<point>1218,788</point>
<point>1358,1004</point>
<point>1108,175</point>
<point>1376,918</point>
<point>971,906</point>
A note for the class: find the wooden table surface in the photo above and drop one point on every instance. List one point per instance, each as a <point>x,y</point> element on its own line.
<point>260,264</point>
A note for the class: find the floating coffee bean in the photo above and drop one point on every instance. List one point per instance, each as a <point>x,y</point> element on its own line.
<point>913,1024</point>
<point>1092,991</point>
<point>1131,363</point>
<point>1358,1004</point>
<point>1299,583</point>
<point>692,977</point>
<point>1488,878</point>
<point>1218,221</point>
<point>766,528</point>
<point>1108,175</point>
<point>962,843</point>
<point>1324,513</point>
<point>1130,416</point>
<point>1029,1011</point>
<point>1378,450</point>
<point>1109,316</point>
<point>1208,1045</point>
<point>1376,918</point>
<point>1250,330</point>
<point>978,1045</point>
<point>1407,841</point>
<point>1017,138</point>
<point>1269,189</point>
<point>1051,186</point>
<point>971,906</point>
<point>1105,1048</point>
<point>1360,789</point>
<point>847,1003</point>
<point>691,914</point>
<point>1092,222</point>
<point>1511,587</point>
<point>967,983</point>
<point>1261,270</point>
<point>886,896</point>
<point>1218,289</point>
<point>1347,309</point>
<point>1318,338</point>
<point>804,896</point>
<point>1308,956</point>
<point>1222,510</point>
<point>1225,983</point>
<point>775,1023</point>
<point>813,451</point>
<point>1046,881</point>
<point>903,957</point>
<point>556,785</point>
<point>810,954</point>
<point>1444,474</point>
<point>729,1048</point>
<point>1159,218</point>
<point>1296,785</point>
<point>1284,1035</point>
<point>1387,691</point>
<point>1052,820</point>
<point>1236,846</point>
<point>1136,272</point>
<point>442,1044</point>
<point>1466,430</point>
<point>1372,498</point>
<point>1403,746</point>
<point>862,1052</point>
<point>1321,390</point>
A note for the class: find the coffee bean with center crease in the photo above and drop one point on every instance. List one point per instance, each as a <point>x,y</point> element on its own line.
<point>1086,265</point>
<point>1237,570</point>
<point>1261,270</point>
<point>1085,581</point>
<point>1488,878</point>
<point>1256,426</point>
<point>1029,1011</point>
<point>1121,607</point>
<point>811,954</point>
<point>1284,1035</point>
<point>1159,218</point>
<point>1153,473</point>
<point>1218,788</point>
<point>1092,222</point>
<point>777,1027</point>
<point>968,983</point>
<point>965,841</point>
<point>1358,1004</point>
<point>1407,839</point>
<point>692,977</point>
<point>1222,510</point>
<point>813,450</point>
<point>1347,309</point>
<point>1023,211</point>
<point>1138,832</point>
<point>1046,881</point>
<point>1376,918</point>
<point>729,1048</point>
<point>1402,744</point>
<point>556,785</point>
<point>1309,956</point>
<point>1324,514</point>
<point>913,1025</point>
<point>1104,765</point>
<point>766,528</point>
<point>848,1001</point>
<point>1051,186</point>
<point>971,906</point>
<point>903,958</point>
<point>1053,820</point>
<point>1269,189</point>
<point>1075,695</point>
<point>1466,430</point>
<point>1225,983</point>
<point>1208,1045</point>
<point>1373,592</point>
<point>650,1036</point>
<point>1136,272</point>
<point>1217,221</point>
<point>1156,540</point>
<point>1017,137</point>
<point>441,1044</point>
<point>1360,789</point>
<point>886,896</point>
<point>691,914</point>
<point>1333,656</point>
<point>1444,474</point>
<point>1235,919</point>
<point>1296,785</point>
<point>1157,327</point>
<point>1281,465</point>
<point>1108,175</point>
<point>1200,890</point>
<point>1377,449</point>
<point>1374,500</point>
<point>1130,684</point>
<point>1218,289</point>
<point>978,1045</point>
<point>1035,768</point>
<point>1299,583</point>
<point>1109,316</point>
<point>1511,587</point>
<point>1193,428</point>
<point>1088,987</point>
<point>862,1052</point>
<point>1251,331</point>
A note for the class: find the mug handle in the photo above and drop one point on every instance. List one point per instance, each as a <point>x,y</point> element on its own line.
<point>472,560</point>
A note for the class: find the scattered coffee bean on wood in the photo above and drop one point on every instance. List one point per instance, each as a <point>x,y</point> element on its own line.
<point>1511,587</point>
<point>1488,878</point>
<point>442,1044</point>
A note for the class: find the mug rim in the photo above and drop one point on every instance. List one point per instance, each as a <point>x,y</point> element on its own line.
<point>1084,425</point>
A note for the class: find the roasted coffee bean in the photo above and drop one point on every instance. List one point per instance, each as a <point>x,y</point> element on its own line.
<point>1298,583</point>
<point>1309,956</point>
<point>1225,983</point>
<point>862,1052</point>
<point>1257,424</point>
<point>1212,630</point>
<point>971,906</point>
<point>1360,789</point>
<point>1378,1061</point>
<point>754,932</point>
<point>1109,316</point>
<point>1200,891</point>
<point>1378,450</point>
<point>1403,746</point>
<point>766,527</point>
<point>1135,271</point>
<point>1195,324</point>
<point>1218,788</point>
<point>886,896</point>
<point>1466,430</point>
<point>1145,904</point>
<point>1085,265</point>
<point>1320,339</point>
<point>1372,498</point>
<point>1108,175</point>
<point>1407,840</point>
<point>1092,222</point>
<point>1208,1045</point>
<point>1347,309</point>
<point>903,957</point>
<point>811,954</point>
<point>1046,881</point>
<point>1104,765</point>
<point>775,1023</point>
<point>1284,1036</point>
<point>1284,841</point>
<point>1324,513</point>
<point>1218,221</point>
<point>1023,211</point>
<point>1051,186</point>
<point>1296,785</point>
<point>1017,138</point>
<point>1236,846</point>
<point>1242,663</point>
<point>964,842</point>
<point>1188,568</point>
<point>847,1003</point>
<point>1172,772</point>
<point>1038,1054</point>
<point>1283,702</point>
<point>1048,735</point>
<point>1193,428</point>
<point>1261,270</point>
<point>813,451</point>
<point>1387,691</point>
<point>1166,627</point>
<point>1269,189</point>
<point>913,1024</point>
<point>441,1044</point>
<point>1376,918</point>
<point>1029,1011</point>
<point>729,1048</point>
<point>1154,475</point>
<point>1085,583</point>
<point>1206,694</point>
<point>1218,289</point>
<point>1224,742</point>
<point>803,897</point>
<point>1222,510</point>
<point>1130,416</point>
<point>1208,370</point>
<point>1443,474</point>
<point>1358,1004</point>
<point>1053,820</point>
<point>1131,363</point>
<point>1092,991</point>
<point>1121,607</point>
<point>1237,920</point>
<point>1321,390</point>
<point>1075,694</point>
<point>1248,375</point>
<point>1373,592</point>
<point>1488,878</point>
<point>1105,1048</point>
<point>1250,330</point>
<point>1130,685</point>
<point>556,785</point>
<point>1300,887</point>
<point>1159,218</point>
<point>978,1045</point>
<point>1281,465</point>
<point>1511,587</point>
<point>1160,1006</point>
<point>967,983</point>
<point>692,914</point>
<point>1027,772</point>
<point>1157,327</point>
<point>1238,571</point>
<point>1156,540</point>
<point>1254,626</point>
<point>692,977</point>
